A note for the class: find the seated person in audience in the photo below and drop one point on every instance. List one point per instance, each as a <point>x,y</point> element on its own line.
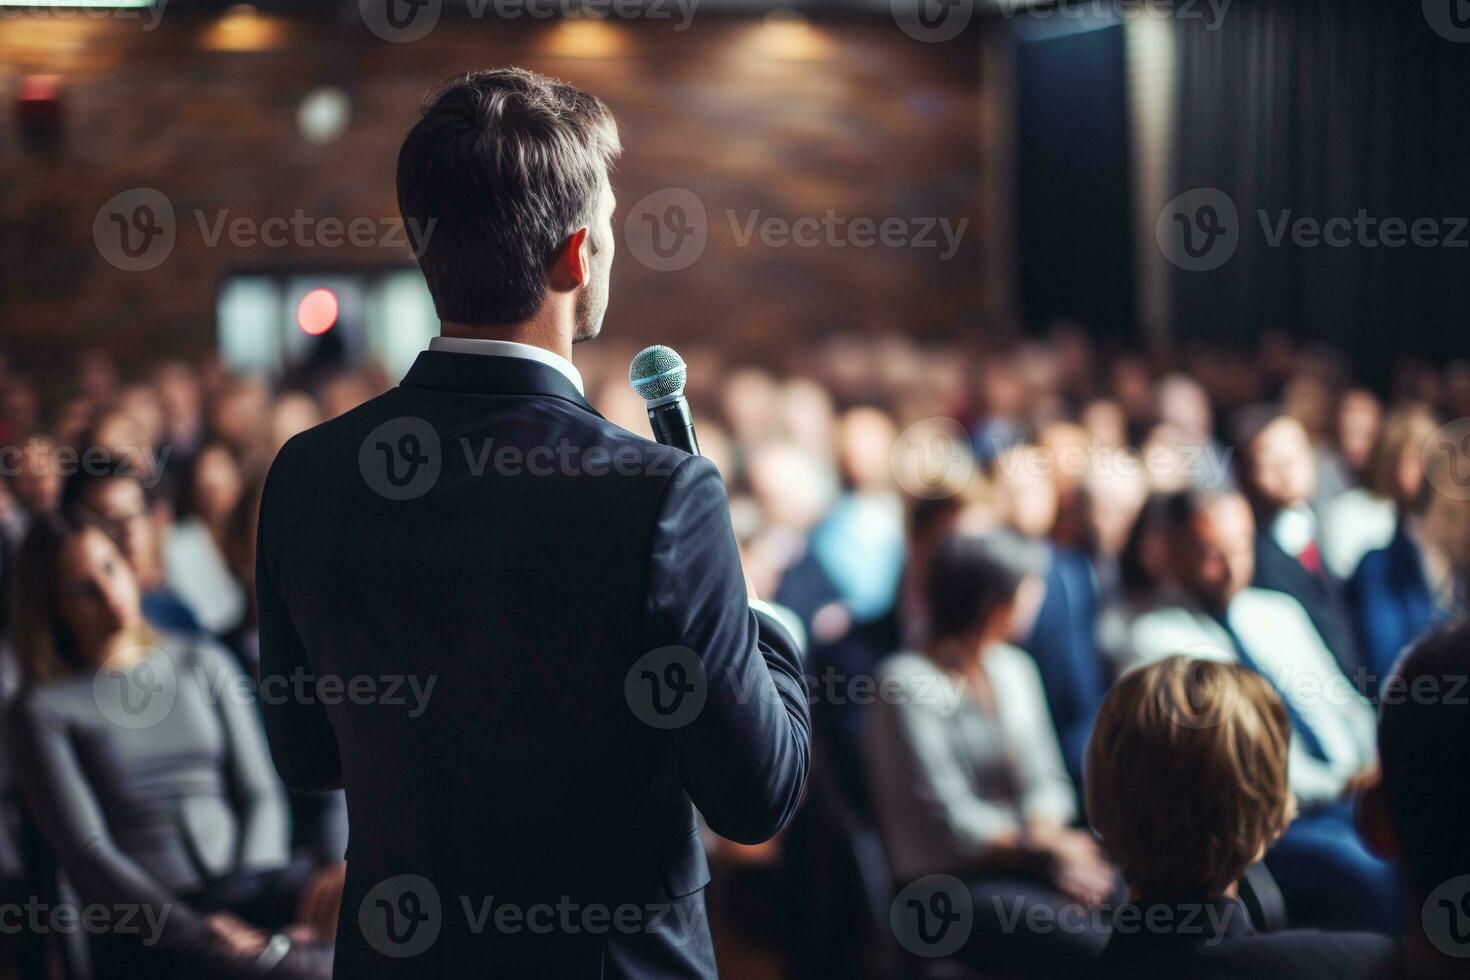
<point>1187,786</point>
<point>1401,591</point>
<point>1210,611</point>
<point>1063,639</point>
<point>965,770</point>
<point>110,491</point>
<point>1363,518</point>
<point>1279,474</point>
<point>1415,814</point>
<point>145,767</point>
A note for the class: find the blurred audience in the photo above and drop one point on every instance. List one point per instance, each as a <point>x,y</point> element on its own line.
<point>149,775</point>
<point>862,473</point>
<point>1209,610</point>
<point>965,768</point>
<point>1279,473</point>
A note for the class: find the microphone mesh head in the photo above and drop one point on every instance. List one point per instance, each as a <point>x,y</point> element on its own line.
<point>657,371</point>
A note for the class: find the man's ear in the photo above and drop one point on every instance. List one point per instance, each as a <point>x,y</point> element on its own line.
<point>569,269</point>
<point>1371,818</point>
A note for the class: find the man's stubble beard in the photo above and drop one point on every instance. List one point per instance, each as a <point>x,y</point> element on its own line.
<point>591,308</point>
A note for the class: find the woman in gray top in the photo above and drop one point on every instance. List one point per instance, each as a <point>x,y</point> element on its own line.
<point>142,760</point>
<point>968,781</point>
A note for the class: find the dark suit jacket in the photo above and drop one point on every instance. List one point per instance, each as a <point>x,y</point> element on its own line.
<point>1216,941</point>
<point>1063,642</point>
<point>531,816</point>
<point>1320,595</point>
<point>1393,601</point>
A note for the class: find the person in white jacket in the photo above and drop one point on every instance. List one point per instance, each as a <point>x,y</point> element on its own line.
<point>1209,610</point>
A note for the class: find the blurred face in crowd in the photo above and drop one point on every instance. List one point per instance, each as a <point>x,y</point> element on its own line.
<point>1105,423</point>
<point>1115,494</point>
<point>36,480</point>
<point>1359,417</point>
<point>239,414</point>
<point>1026,492</point>
<point>1217,558</point>
<point>1447,526</point>
<point>178,390</point>
<point>291,414</point>
<point>748,399</point>
<point>1283,468</point>
<point>97,592</point>
<point>217,484</point>
<point>865,439</point>
<point>792,489</point>
<point>121,436</point>
<point>120,504</point>
<point>1184,405</point>
<point>142,404</point>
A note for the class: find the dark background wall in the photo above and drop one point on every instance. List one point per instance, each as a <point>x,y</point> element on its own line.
<point>1074,223</point>
<point>1323,108</point>
<point>849,116</point>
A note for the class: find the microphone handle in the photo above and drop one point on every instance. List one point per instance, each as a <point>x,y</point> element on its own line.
<point>673,425</point>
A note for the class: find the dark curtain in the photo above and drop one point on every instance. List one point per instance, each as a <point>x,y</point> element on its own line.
<point>1073,219</point>
<point>1325,108</point>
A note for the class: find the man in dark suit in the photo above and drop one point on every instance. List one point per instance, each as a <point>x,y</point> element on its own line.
<point>1279,473</point>
<point>518,635</point>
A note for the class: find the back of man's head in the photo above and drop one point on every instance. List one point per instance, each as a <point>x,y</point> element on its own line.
<point>504,165</point>
<point>1424,745</point>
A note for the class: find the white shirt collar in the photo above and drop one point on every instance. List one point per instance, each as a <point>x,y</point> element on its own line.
<point>509,348</point>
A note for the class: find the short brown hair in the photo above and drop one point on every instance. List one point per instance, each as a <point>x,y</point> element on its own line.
<point>504,165</point>
<point>1187,776</point>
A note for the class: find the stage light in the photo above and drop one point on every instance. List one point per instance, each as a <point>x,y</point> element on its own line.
<point>243,28</point>
<point>585,39</point>
<point>317,312</point>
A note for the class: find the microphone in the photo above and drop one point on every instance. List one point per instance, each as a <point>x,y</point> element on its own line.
<point>658,373</point>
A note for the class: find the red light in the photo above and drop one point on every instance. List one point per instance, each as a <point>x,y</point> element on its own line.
<point>317,311</point>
